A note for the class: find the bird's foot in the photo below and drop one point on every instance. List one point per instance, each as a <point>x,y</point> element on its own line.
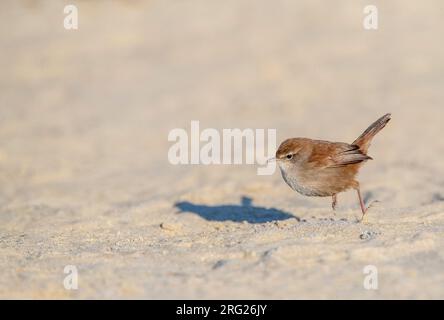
<point>368,207</point>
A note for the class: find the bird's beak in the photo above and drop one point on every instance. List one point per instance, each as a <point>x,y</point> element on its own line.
<point>271,160</point>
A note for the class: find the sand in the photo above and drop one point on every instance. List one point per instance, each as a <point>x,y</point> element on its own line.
<point>84,174</point>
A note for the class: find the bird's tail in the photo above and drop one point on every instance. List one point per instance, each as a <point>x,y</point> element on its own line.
<point>364,140</point>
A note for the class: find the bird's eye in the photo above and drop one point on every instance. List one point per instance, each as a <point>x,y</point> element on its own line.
<point>289,156</point>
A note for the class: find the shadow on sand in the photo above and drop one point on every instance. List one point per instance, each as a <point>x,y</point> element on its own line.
<point>237,213</point>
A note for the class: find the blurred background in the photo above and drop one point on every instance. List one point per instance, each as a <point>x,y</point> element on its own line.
<point>85,114</point>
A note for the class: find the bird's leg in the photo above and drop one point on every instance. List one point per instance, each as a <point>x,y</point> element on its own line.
<point>333,202</point>
<point>361,203</point>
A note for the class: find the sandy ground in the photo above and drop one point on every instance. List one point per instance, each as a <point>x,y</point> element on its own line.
<point>84,175</point>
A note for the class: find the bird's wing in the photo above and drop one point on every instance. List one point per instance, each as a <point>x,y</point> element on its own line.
<point>333,155</point>
<point>348,154</point>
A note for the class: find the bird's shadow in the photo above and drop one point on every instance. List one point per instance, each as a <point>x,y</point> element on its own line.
<point>245,211</point>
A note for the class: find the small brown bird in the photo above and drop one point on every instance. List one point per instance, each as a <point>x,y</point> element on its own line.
<point>320,168</point>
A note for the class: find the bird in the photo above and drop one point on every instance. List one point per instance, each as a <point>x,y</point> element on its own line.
<point>319,168</point>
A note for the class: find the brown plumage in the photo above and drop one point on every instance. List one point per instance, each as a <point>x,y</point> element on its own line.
<point>323,168</point>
